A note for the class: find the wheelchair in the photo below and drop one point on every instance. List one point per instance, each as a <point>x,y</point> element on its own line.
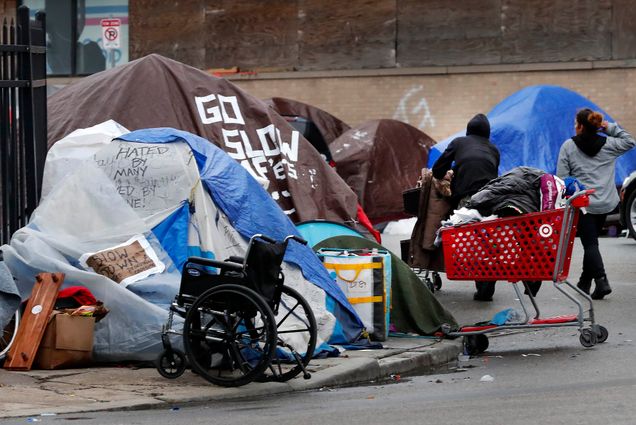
<point>241,323</point>
<point>8,334</point>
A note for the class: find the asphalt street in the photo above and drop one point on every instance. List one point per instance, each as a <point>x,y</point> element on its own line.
<point>526,378</point>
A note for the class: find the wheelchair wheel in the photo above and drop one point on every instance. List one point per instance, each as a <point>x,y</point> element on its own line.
<point>229,335</point>
<point>8,334</point>
<point>171,363</point>
<point>297,333</point>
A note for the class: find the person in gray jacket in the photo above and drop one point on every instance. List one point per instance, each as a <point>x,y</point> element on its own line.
<point>590,157</point>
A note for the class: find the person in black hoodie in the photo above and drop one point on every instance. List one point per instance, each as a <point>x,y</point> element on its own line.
<point>476,162</point>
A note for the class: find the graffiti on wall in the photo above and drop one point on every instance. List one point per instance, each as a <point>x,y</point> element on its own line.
<point>413,109</point>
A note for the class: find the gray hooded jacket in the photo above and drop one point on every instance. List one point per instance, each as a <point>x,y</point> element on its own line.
<point>597,172</point>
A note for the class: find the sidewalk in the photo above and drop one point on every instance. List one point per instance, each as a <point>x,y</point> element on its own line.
<point>40,392</point>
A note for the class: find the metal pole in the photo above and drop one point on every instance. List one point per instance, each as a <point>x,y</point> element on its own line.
<point>4,136</point>
<point>26,114</point>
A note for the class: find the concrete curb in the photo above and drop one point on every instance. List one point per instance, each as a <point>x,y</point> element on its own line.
<point>90,390</point>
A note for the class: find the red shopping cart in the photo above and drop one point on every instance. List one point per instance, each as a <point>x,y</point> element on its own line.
<point>531,247</point>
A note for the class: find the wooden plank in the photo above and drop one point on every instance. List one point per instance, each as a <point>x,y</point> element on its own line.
<point>623,29</point>
<point>351,35</point>
<point>171,29</point>
<point>556,30</point>
<point>560,48</point>
<point>448,19</point>
<point>251,34</point>
<point>474,51</point>
<point>33,323</point>
<point>442,32</point>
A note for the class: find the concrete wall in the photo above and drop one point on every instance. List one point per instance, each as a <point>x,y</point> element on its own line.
<point>442,104</point>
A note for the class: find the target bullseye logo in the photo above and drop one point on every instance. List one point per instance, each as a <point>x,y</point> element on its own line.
<point>545,231</point>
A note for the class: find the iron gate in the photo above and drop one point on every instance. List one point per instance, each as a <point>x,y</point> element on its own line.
<point>23,125</point>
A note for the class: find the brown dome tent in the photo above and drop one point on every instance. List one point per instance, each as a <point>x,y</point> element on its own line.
<point>380,159</point>
<point>329,126</point>
<point>158,92</point>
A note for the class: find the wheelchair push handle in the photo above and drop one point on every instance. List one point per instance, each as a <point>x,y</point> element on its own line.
<point>286,241</point>
<point>263,237</point>
<point>296,238</point>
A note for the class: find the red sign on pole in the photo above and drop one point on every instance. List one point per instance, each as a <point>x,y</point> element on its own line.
<point>111,33</point>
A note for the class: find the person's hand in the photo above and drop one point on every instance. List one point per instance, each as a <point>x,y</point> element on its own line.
<point>449,175</point>
<point>604,125</point>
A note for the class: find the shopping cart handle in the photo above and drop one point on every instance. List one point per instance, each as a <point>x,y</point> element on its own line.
<point>580,199</point>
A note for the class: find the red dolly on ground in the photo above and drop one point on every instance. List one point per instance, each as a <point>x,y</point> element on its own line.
<point>531,247</point>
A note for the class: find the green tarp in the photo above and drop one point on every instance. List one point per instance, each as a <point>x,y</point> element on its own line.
<point>413,307</point>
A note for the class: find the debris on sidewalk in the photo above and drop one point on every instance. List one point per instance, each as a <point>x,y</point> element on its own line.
<point>463,358</point>
<point>487,378</point>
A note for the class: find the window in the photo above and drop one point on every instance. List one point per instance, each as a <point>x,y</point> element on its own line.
<point>74,34</point>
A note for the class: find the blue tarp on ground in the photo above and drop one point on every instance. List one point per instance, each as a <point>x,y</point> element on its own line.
<point>530,126</point>
<point>235,192</point>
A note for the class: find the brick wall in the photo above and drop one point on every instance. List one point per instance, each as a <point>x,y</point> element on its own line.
<point>440,105</point>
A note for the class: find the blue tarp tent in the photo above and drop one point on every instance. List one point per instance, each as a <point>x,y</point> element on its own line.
<point>154,197</point>
<point>251,210</point>
<point>530,126</point>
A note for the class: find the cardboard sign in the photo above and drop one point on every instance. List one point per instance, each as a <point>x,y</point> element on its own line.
<point>111,33</point>
<point>126,263</point>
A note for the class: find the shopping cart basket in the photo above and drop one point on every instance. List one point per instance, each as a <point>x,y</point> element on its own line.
<point>531,247</point>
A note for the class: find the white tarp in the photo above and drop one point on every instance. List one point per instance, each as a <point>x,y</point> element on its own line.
<point>99,195</point>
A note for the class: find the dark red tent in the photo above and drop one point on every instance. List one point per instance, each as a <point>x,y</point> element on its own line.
<point>380,159</point>
<point>329,126</point>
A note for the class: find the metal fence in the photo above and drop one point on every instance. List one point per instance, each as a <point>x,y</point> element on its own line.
<point>23,125</point>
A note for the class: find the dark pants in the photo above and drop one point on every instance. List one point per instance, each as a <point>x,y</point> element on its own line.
<point>486,290</point>
<point>589,227</point>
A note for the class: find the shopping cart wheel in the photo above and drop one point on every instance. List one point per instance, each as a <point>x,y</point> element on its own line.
<point>428,282</point>
<point>475,344</point>
<point>171,363</point>
<point>588,338</point>
<point>437,281</point>
<point>601,334</point>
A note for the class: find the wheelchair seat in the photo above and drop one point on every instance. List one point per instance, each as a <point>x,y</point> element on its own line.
<point>261,272</point>
<point>263,269</point>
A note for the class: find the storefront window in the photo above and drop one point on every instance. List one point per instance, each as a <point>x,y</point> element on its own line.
<point>75,34</point>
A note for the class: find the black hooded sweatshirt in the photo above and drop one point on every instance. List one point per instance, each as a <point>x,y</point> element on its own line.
<point>476,159</point>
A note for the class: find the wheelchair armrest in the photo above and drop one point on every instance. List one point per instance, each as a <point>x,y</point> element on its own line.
<point>235,259</point>
<point>223,265</point>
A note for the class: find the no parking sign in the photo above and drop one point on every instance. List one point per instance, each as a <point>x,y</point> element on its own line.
<point>110,33</point>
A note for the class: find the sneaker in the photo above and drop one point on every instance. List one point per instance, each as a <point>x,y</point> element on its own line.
<point>485,291</point>
<point>478,296</point>
<point>601,289</point>
<point>584,285</point>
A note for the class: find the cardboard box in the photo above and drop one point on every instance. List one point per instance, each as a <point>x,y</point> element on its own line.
<point>67,342</point>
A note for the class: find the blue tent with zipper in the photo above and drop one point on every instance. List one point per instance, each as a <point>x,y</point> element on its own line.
<point>530,126</point>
